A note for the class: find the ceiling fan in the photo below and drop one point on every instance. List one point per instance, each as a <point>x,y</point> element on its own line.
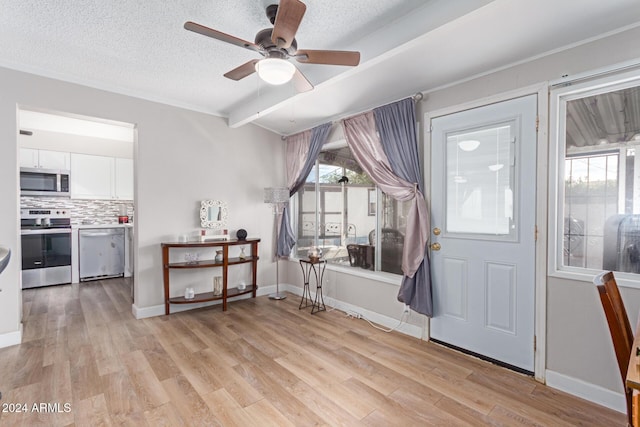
<point>277,45</point>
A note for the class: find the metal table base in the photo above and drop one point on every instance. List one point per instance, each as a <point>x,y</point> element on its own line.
<point>317,303</point>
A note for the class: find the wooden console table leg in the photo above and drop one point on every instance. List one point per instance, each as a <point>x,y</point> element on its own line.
<point>165,276</point>
<point>254,270</point>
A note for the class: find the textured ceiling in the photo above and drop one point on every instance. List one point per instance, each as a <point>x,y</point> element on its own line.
<point>140,48</point>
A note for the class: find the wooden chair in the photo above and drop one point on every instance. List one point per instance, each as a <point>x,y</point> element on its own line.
<point>619,328</point>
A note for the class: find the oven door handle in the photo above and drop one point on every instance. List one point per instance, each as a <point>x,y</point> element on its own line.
<point>47,231</point>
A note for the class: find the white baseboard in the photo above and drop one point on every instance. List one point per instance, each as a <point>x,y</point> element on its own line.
<point>380,319</point>
<point>11,338</point>
<point>591,392</point>
<point>144,312</point>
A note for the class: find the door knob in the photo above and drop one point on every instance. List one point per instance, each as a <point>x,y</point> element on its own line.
<point>436,231</point>
<point>435,246</point>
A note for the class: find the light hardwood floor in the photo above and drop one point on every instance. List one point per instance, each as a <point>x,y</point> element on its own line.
<point>261,363</point>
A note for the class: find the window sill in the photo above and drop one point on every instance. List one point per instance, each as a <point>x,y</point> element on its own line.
<point>625,280</point>
<point>378,276</point>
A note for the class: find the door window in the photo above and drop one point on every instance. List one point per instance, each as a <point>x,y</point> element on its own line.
<point>480,182</point>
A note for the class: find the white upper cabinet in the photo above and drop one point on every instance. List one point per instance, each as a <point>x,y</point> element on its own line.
<point>91,176</point>
<point>28,158</point>
<point>33,158</point>
<point>100,177</point>
<point>123,179</point>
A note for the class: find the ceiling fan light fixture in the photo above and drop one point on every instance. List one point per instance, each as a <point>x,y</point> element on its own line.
<point>275,71</point>
<point>468,144</point>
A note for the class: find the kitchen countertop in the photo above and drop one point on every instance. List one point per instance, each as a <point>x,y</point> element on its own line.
<point>115,225</point>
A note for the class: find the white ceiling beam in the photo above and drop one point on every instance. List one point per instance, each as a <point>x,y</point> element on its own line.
<point>373,48</point>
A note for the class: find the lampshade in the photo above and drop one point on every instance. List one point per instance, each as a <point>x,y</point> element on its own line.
<point>275,71</point>
<point>276,195</point>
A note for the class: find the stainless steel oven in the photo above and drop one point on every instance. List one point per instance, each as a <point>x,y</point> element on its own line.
<point>46,247</point>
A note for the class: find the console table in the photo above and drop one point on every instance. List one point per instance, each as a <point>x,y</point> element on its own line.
<point>210,263</point>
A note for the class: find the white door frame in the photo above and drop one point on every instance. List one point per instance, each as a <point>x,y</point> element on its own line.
<point>542,92</point>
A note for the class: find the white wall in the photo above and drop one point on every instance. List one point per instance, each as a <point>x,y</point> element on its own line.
<point>182,157</point>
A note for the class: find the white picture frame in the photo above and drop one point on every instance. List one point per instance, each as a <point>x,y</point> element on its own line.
<point>213,214</point>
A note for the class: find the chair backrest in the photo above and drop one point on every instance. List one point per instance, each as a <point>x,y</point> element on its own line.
<point>619,328</point>
<point>621,345</point>
<point>610,284</point>
<point>354,255</point>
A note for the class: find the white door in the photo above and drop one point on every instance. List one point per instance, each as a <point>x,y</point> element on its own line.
<point>483,230</point>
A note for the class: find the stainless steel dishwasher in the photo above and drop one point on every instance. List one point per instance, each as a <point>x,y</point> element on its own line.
<point>101,253</point>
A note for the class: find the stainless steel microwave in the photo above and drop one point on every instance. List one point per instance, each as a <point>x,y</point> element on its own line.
<point>44,182</point>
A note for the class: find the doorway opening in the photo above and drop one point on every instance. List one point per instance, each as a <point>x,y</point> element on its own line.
<point>90,161</point>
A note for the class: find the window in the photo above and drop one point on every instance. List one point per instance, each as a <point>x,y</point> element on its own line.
<point>340,210</point>
<point>598,191</point>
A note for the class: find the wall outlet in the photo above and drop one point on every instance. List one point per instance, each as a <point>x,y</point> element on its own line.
<point>406,309</point>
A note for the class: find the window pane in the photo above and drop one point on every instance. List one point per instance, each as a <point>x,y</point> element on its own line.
<point>306,222</point>
<point>601,228</point>
<point>343,211</point>
<point>393,229</point>
<point>349,210</point>
<point>479,187</point>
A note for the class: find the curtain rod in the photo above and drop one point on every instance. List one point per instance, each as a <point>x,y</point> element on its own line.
<point>417,97</point>
<point>567,80</point>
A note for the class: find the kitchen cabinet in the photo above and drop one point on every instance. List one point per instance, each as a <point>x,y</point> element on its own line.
<point>123,179</point>
<point>91,176</point>
<point>46,159</point>
<point>101,177</point>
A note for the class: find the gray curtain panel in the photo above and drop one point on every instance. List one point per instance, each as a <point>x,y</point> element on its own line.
<point>396,124</point>
<point>301,153</point>
<point>365,146</point>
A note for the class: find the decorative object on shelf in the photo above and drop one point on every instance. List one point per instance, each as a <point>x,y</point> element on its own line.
<point>217,285</point>
<point>189,293</point>
<point>242,254</point>
<point>277,197</point>
<point>242,286</point>
<point>241,234</point>
<point>213,235</point>
<point>213,214</point>
<point>314,254</point>
<point>219,257</point>
<point>191,258</point>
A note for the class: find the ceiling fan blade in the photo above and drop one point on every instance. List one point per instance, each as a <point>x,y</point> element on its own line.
<point>242,71</point>
<point>330,57</point>
<point>219,35</point>
<point>300,82</point>
<point>288,18</point>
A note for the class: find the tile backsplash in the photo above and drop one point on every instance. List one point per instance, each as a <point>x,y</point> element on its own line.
<point>82,211</point>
